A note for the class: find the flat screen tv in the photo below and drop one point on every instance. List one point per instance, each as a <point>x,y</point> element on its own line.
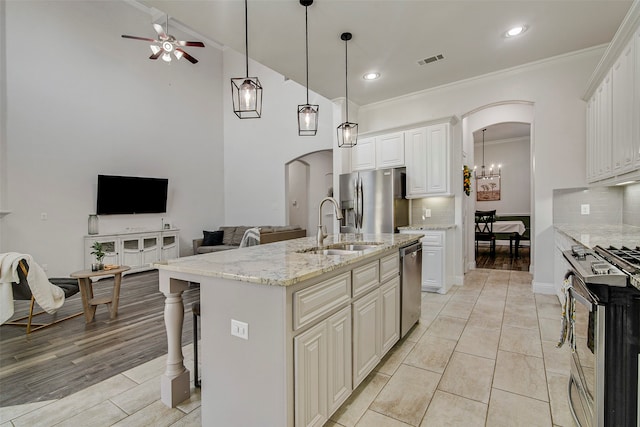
<point>131,195</point>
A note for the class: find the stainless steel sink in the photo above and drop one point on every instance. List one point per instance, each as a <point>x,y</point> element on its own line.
<point>341,249</point>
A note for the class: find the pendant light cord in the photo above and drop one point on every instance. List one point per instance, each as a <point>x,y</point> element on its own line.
<point>306,33</point>
<point>483,130</point>
<point>246,35</point>
<point>346,86</point>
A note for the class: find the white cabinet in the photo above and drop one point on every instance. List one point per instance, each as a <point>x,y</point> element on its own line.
<point>433,268</point>
<point>390,322</point>
<point>613,108</point>
<point>437,259</point>
<point>138,250</point>
<point>390,150</point>
<point>378,152</point>
<point>622,110</point>
<point>367,339</point>
<point>428,154</point>
<point>322,370</point>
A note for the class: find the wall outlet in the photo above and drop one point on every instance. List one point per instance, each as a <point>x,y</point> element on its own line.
<point>584,209</point>
<point>427,213</point>
<point>239,329</point>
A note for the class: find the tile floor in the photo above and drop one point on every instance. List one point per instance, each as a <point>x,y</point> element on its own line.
<point>482,355</point>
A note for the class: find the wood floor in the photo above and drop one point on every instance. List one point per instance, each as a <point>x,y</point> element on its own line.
<point>57,361</point>
<point>502,260</point>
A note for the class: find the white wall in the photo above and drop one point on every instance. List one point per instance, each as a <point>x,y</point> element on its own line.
<point>257,150</point>
<point>81,101</point>
<point>555,87</point>
<point>515,178</point>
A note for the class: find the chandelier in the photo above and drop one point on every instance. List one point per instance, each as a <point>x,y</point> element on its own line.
<point>483,172</point>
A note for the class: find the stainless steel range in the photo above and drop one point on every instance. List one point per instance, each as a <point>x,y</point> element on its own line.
<point>603,328</point>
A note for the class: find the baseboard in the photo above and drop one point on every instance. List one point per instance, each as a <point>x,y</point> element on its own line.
<point>543,288</point>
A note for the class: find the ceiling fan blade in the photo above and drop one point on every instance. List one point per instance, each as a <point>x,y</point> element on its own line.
<point>138,38</point>
<point>160,31</point>
<point>186,55</point>
<point>194,44</point>
<point>157,54</point>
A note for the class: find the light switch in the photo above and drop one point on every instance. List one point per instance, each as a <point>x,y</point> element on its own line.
<point>584,209</point>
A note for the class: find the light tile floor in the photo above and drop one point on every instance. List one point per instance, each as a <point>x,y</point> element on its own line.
<point>482,355</point>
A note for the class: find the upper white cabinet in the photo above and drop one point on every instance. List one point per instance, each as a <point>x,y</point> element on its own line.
<point>378,152</point>
<point>613,109</point>
<point>428,154</point>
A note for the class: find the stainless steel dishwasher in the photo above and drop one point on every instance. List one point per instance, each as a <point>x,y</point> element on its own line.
<point>411,285</point>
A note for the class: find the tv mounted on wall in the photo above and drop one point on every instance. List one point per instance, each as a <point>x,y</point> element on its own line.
<point>131,195</point>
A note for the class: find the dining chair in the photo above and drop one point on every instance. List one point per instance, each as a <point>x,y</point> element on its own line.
<point>484,229</point>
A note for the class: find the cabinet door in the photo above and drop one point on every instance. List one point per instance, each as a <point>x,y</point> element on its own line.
<point>390,322</point>
<point>170,246</point>
<point>591,140</point>
<point>390,150</point>
<point>310,376</point>
<point>131,251</point>
<point>363,155</point>
<point>366,335</point>
<point>636,103</point>
<point>109,246</point>
<point>622,110</point>
<point>339,374</point>
<point>438,159</point>
<point>416,161</point>
<point>432,267</point>
<point>150,249</point>
<point>603,135</point>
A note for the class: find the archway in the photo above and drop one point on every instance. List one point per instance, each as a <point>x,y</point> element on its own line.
<point>483,117</point>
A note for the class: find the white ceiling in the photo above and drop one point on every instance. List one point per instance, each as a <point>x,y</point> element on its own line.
<point>391,36</point>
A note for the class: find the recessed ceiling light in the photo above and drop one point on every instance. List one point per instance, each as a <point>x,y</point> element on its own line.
<point>516,31</point>
<point>371,76</point>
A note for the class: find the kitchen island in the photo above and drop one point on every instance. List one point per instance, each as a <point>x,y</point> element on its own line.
<point>287,330</point>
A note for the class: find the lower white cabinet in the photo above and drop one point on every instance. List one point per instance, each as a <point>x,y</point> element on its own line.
<point>367,337</point>
<point>138,250</point>
<point>335,352</point>
<point>322,370</point>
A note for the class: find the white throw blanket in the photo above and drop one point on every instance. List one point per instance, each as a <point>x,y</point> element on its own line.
<point>251,237</point>
<point>48,296</point>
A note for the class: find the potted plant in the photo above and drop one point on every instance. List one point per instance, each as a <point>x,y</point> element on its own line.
<point>99,254</point>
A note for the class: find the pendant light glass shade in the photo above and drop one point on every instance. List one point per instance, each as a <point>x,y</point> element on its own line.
<point>347,131</point>
<point>246,92</point>
<point>307,113</point>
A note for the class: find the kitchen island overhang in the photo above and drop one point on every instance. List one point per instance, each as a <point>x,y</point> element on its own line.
<point>253,379</point>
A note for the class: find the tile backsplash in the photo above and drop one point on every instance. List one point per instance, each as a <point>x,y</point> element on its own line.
<point>604,205</point>
<point>631,205</point>
<point>442,210</point>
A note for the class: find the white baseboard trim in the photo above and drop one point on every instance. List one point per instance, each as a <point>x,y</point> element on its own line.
<point>543,288</point>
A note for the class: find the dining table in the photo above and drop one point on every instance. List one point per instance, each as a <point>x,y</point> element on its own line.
<point>515,229</point>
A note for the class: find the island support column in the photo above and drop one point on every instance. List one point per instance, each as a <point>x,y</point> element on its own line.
<point>174,383</point>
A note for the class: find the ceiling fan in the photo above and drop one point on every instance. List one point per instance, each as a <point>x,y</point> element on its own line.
<point>166,44</point>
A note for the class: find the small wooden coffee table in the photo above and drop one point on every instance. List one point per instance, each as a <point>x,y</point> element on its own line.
<point>86,291</point>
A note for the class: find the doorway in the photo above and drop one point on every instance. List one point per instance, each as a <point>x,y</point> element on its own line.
<point>309,178</point>
<point>509,142</point>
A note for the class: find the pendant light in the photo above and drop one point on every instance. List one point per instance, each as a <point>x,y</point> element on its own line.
<point>347,131</point>
<point>483,174</point>
<point>307,113</point>
<point>246,92</point>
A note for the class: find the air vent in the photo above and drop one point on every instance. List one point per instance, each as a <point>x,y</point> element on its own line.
<point>431,59</point>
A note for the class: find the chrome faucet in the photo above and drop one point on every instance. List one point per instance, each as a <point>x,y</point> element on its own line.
<point>321,234</point>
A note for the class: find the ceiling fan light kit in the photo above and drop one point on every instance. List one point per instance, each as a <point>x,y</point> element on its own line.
<point>246,92</point>
<point>307,113</point>
<point>166,44</point>
<point>347,131</point>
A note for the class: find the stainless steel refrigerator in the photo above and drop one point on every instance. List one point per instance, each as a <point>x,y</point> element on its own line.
<point>374,201</point>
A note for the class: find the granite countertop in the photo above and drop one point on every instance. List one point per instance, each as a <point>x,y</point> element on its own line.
<point>428,227</point>
<point>280,263</point>
<point>603,235</point>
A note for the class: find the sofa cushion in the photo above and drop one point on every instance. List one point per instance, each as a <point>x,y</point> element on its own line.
<point>217,248</point>
<point>228,235</point>
<point>238,234</point>
<point>212,238</point>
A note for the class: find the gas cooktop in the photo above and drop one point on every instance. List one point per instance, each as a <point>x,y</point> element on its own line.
<point>594,268</point>
<point>626,259</point>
